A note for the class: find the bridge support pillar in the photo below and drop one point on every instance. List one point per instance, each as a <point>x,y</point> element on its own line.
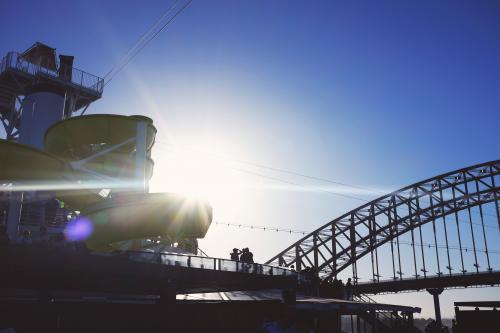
<point>435,292</point>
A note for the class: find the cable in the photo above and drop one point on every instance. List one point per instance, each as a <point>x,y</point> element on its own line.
<point>168,147</point>
<point>129,51</point>
<point>132,56</point>
<point>299,185</point>
<point>286,181</point>
<point>258,165</point>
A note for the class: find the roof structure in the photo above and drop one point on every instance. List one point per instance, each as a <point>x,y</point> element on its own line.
<point>41,54</point>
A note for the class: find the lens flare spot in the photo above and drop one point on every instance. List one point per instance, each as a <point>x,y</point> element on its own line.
<point>79,229</point>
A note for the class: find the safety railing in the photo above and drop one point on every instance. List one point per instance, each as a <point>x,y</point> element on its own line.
<point>383,316</point>
<point>13,60</point>
<point>435,276</point>
<point>218,264</point>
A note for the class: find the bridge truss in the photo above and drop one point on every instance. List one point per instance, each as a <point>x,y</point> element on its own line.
<point>441,226</point>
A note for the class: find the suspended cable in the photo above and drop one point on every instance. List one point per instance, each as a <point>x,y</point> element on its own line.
<point>143,37</point>
<point>305,187</point>
<point>168,147</point>
<point>262,166</point>
<point>146,42</point>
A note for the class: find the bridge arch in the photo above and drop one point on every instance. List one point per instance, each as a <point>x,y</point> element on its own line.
<point>342,242</point>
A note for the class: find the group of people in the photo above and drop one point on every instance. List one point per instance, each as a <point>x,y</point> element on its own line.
<point>335,288</point>
<point>308,280</point>
<point>243,255</point>
<point>310,283</point>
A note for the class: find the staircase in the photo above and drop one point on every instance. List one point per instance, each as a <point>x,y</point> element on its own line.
<point>384,322</point>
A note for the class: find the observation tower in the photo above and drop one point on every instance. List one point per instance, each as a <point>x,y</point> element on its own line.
<point>37,89</point>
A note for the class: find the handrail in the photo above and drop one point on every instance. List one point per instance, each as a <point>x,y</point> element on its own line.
<point>200,262</point>
<point>436,276</point>
<point>13,60</point>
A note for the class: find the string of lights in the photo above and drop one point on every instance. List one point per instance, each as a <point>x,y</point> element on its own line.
<point>292,231</point>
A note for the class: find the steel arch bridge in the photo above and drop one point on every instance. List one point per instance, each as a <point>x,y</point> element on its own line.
<point>451,211</point>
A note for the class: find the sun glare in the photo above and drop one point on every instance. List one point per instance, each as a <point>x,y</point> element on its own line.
<point>197,176</point>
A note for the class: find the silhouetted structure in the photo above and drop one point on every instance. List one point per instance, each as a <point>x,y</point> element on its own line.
<point>439,201</point>
<point>485,320</point>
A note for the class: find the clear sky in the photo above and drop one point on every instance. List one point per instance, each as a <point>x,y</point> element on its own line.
<point>380,94</point>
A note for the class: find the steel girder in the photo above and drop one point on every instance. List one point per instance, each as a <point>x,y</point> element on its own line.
<point>342,242</point>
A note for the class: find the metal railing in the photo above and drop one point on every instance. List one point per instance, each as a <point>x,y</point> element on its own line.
<point>218,264</point>
<point>388,317</point>
<point>13,60</point>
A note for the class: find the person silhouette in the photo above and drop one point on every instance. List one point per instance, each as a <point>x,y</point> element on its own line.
<point>250,256</point>
<point>348,290</point>
<point>235,255</point>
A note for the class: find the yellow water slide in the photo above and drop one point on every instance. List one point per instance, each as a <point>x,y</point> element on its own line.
<point>137,216</point>
<point>77,151</point>
<point>80,138</point>
<point>26,165</point>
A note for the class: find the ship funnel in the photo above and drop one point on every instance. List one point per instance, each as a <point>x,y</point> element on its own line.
<point>66,67</point>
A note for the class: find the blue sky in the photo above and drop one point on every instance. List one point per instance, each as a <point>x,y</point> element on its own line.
<point>380,94</point>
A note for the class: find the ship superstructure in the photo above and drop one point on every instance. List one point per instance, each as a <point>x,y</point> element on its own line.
<point>84,179</point>
<point>58,164</point>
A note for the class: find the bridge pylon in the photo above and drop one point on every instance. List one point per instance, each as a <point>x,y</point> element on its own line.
<point>435,292</point>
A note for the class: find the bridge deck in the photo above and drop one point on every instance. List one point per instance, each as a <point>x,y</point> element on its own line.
<point>444,281</point>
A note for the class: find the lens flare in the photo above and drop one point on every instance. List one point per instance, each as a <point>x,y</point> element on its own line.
<point>79,229</point>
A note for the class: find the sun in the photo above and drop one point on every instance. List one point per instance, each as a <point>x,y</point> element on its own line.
<point>197,175</point>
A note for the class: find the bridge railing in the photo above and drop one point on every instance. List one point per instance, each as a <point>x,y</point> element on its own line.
<point>199,262</point>
<point>13,60</point>
<point>428,277</point>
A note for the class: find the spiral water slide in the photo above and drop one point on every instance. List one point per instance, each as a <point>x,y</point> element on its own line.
<point>90,164</point>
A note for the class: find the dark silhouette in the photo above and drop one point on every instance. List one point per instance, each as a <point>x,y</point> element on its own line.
<point>250,257</point>
<point>308,274</point>
<point>235,255</point>
<point>246,256</point>
<point>341,290</point>
<point>348,290</point>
